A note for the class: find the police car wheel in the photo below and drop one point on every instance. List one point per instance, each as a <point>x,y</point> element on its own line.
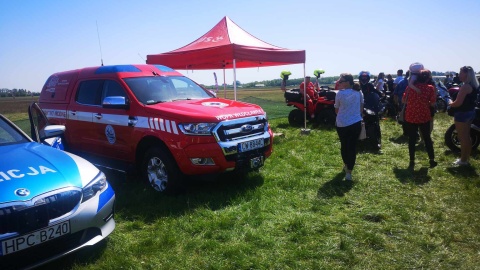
<point>160,171</point>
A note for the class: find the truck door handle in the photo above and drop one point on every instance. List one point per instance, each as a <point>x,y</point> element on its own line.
<point>73,112</point>
<point>98,115</point>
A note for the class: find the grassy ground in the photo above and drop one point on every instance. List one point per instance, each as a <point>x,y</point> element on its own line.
<point>297,212</point>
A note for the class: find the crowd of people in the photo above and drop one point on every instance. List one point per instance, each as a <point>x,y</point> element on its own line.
<point>415,90</point>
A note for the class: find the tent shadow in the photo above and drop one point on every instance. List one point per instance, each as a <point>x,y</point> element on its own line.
<point>335,187</point>
<point>407,175</point>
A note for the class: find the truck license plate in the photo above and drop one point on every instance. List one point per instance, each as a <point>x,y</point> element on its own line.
<point>34,238</point>
<point>256,162</point>
<point>250,145</point>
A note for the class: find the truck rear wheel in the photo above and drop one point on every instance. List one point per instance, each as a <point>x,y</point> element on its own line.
<point>160,170</point>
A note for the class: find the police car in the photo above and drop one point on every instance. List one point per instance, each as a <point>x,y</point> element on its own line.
<point>52,202</point>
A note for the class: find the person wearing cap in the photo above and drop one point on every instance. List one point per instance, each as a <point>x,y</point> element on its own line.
<point>311,95</point>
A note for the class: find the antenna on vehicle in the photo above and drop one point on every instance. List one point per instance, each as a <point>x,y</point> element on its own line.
<point>141,57</point>
<point>99,44</point>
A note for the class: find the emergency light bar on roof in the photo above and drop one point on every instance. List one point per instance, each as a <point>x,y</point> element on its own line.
<point>118,68</point>
<point>164,68</point>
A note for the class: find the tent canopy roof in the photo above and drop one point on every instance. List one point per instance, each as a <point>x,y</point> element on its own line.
<point>225,42</point>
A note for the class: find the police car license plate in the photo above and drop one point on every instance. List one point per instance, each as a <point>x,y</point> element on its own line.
<point>250,145</point>
<point>35,238</point>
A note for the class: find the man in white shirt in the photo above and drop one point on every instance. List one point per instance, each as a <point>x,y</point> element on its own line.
<point>399,78</point>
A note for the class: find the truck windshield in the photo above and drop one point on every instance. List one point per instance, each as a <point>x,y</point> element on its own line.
<point>153,90</point>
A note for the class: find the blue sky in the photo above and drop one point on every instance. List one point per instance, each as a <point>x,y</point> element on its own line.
<point>39,38</point>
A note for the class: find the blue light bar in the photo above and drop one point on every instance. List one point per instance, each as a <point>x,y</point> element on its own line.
<point>118,68</point>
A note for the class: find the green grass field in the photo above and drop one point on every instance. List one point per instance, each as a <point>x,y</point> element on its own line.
<point>297,212</point>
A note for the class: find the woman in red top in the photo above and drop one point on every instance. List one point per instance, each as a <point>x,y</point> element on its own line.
<point>418,116</point>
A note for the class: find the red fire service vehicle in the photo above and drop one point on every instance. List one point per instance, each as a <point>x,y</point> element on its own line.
<point>156,120</point>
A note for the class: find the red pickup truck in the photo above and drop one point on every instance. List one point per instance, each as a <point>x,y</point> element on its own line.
<point>156,119</point>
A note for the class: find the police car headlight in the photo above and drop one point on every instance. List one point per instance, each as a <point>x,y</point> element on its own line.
<point>96,185</point>
<point>197,128</point>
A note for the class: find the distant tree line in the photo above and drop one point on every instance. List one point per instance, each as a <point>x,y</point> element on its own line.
<point>295,82</point>
<point>5,92</point>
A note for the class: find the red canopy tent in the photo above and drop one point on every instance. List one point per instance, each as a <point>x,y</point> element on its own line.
<point>227,45</point>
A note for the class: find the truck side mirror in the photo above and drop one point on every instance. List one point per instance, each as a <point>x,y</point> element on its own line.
<point>115,102</point>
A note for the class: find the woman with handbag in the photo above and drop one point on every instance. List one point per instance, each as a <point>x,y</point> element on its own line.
<point>349,108</point>
<point>464,112</point>
<point>418,116</point>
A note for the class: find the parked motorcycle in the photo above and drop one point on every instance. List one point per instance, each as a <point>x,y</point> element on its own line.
<point>451,136</point>
<point>387,105</point>
<point>443,97</point>
<point>324,109</point>
<point>372,127</point>
<point>453,90</point>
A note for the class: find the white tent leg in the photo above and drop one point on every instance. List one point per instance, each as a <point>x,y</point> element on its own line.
<point>234,79</point>
<point>224,85</point>
<point>304,98</point>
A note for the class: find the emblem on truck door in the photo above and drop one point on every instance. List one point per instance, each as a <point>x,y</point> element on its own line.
<point>110,133</point>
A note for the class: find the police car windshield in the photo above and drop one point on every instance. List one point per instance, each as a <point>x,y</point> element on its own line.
<point>9,134</point>
<point>153,90</point>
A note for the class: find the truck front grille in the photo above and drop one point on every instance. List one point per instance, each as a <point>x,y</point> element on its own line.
<point>237,129</point>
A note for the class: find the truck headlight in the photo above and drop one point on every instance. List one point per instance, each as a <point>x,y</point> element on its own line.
<point>99,183</point>
<point>197,128</point>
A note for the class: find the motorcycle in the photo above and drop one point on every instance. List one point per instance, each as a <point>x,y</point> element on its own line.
<point>372,127</point>
<point>324,110</point>
<point>451,136</point>
<point>443,97</point>
<point>453,90</point>
<point>387,105</point>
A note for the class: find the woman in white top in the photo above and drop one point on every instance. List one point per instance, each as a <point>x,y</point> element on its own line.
<point>380,82</point>
<point>349,108</point>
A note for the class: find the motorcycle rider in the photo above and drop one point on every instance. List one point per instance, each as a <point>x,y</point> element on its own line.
<point>371,96</point>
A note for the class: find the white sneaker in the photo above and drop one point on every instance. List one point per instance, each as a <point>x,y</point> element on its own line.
<point>459,162</point>
<point>348,177</point>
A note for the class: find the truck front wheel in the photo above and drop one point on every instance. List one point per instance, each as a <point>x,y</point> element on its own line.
<point>160,170</point>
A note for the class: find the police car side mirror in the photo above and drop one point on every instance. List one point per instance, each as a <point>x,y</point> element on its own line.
<point>53,131</point>
<point>115,102</point>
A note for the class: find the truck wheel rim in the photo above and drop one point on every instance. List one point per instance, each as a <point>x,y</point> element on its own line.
<point>157,174</point>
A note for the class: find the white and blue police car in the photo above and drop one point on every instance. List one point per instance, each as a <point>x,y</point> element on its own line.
<point>52,203</point>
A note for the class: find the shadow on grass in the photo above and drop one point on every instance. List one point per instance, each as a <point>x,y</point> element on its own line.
<point>466,172</point>
<point>136,200</point>
<point>336,187</point>
<point>399,140</point>
<point>417,177</point>
<point>84,256</point>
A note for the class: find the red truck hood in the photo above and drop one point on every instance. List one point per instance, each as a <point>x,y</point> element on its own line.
<point>208,110</point>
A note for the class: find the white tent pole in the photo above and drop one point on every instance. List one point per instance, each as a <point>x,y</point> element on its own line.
<point>234,79</point>
<point>224,85</point>
<point>304,98</point>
